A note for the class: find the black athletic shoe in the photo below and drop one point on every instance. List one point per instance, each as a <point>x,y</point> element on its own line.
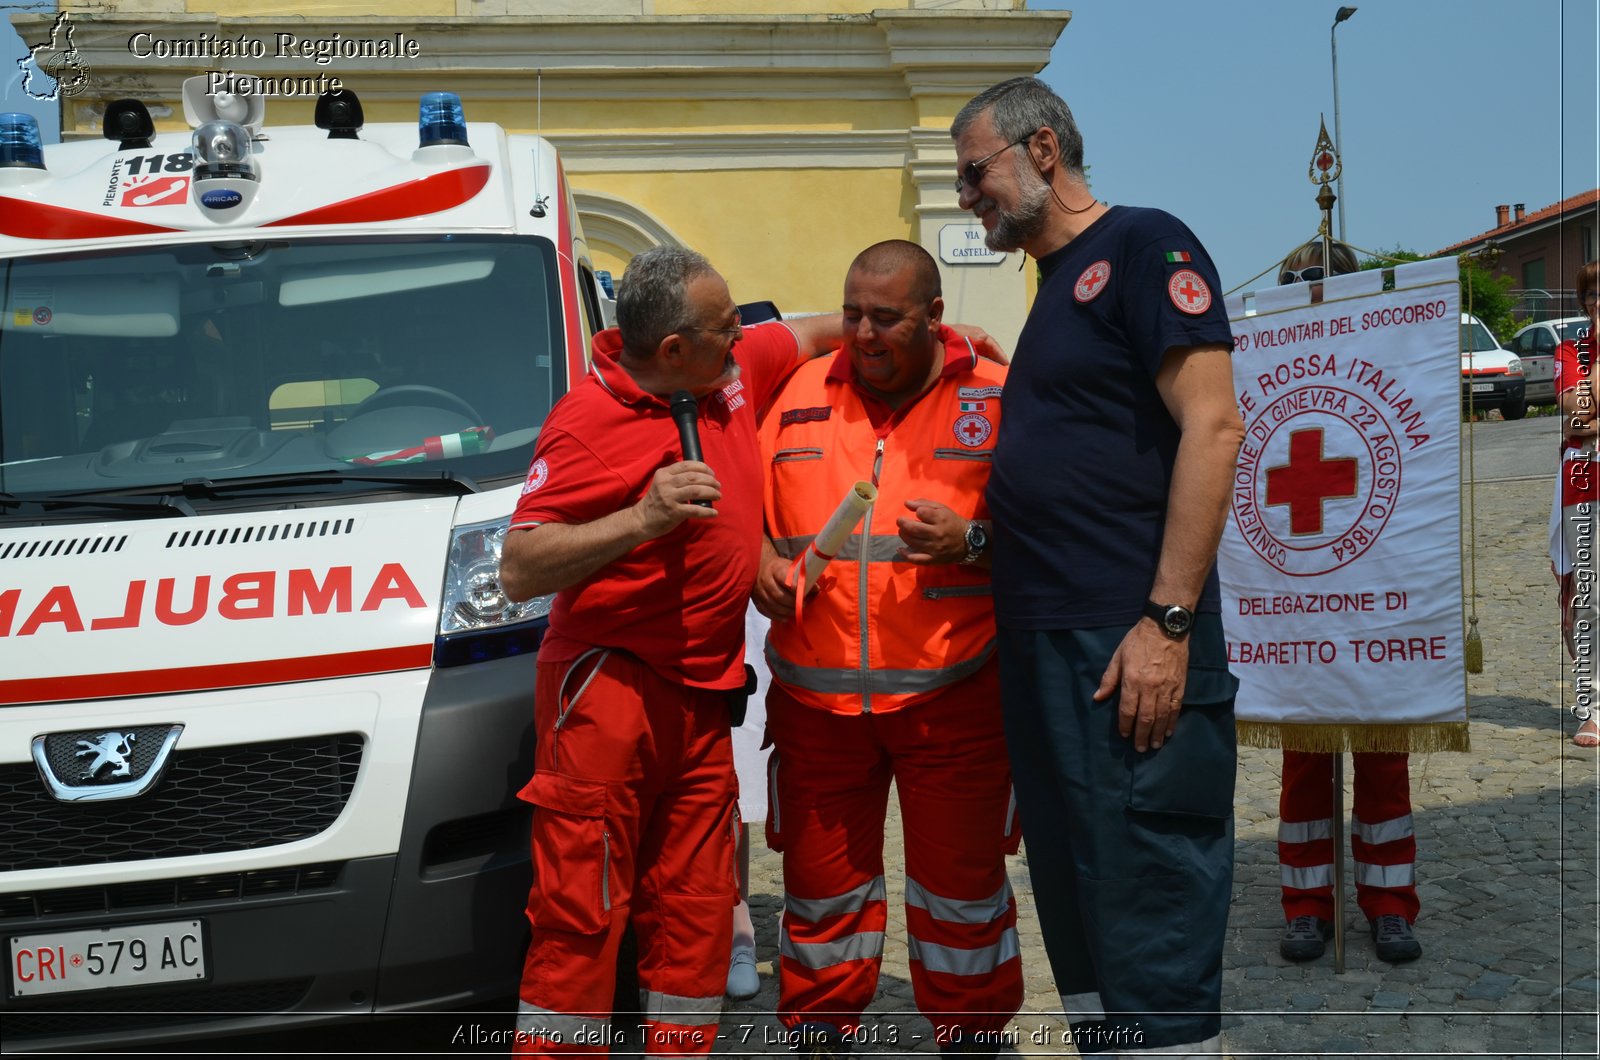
<point>1394,938</point>
<point>1305,938</point>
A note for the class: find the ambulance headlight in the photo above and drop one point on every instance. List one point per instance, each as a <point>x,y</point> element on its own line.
<point>222,149</point>
<point>20,143</point>
<point>473,599</point>
<point>441,120</point>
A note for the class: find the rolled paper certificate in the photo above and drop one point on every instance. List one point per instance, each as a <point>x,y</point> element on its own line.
<point>836,531</point>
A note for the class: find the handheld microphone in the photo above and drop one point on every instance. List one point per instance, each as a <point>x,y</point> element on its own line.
<point>685,413</point>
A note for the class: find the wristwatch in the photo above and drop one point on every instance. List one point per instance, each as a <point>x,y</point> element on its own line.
<point>977,542</point>
<point>1174,620</point>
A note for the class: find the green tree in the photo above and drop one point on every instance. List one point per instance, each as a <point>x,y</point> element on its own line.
<point>1483,294</point>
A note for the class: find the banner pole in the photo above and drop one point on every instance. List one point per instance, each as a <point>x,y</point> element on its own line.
<point>1338,862</point>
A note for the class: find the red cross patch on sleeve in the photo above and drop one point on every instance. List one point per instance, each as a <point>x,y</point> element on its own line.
<point>1189,292</point>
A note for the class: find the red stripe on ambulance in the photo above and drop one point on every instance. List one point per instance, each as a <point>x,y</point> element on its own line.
<point>222,675</point>
<point>430,194</point>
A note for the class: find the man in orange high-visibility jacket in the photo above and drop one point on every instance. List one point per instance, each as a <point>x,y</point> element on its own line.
<point>889,672</point>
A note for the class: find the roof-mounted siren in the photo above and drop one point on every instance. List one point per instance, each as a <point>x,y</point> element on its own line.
<point>128,122</point>
<point>441,129</point>
<point>225,123</point>
<point>339,112</point>
<point>21,147</point>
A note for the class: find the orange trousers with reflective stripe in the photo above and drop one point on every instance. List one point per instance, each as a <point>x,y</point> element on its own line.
<point>635,813</point>
<point>947,758</point>
<point>1382,786</point>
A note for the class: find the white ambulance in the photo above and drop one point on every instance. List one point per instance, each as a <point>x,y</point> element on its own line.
<point>267,398</point>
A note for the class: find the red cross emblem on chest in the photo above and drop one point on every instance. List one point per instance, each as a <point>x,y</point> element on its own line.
<point>1308,479</point>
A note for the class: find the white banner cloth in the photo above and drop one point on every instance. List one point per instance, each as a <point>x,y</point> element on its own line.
<point>1341,560</point>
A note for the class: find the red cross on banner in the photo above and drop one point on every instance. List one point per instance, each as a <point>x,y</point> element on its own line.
<point>1307,480</point>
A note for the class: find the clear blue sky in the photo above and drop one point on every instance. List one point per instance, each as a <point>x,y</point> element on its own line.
<point>1209,109</point>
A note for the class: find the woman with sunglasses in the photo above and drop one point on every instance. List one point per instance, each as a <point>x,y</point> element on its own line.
<point>1381,836</point>
<point>1580,607</point>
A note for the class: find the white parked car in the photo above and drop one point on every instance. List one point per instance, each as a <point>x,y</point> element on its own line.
<point>1535,345</point>
<point>1491,375</point>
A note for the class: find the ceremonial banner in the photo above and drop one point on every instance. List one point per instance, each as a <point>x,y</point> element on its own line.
<point>1341,560</point>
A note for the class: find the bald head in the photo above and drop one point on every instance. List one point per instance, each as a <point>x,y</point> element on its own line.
<point>894,255</point>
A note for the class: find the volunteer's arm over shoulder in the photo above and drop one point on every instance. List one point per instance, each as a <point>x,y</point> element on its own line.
<point>544,554</point>
<point>1196,385</point>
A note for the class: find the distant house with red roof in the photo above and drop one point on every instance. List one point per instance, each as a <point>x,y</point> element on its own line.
<point>1541,251</point>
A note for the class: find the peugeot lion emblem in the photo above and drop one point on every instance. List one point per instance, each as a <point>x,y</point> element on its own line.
<point>96,765</point>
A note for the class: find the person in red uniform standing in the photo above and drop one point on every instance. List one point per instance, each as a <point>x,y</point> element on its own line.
<point>633,791</point>
<point>888,671</point>
<point>1382,837</point>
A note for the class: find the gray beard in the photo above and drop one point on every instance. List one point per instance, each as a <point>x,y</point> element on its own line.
<point>1012,230</point>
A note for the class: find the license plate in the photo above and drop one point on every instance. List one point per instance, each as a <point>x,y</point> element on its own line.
<point>61,962</point>
<point>1482,388</point>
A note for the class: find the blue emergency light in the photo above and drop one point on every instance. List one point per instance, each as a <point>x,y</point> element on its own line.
<point>20,143</point>
<point>442,121</point>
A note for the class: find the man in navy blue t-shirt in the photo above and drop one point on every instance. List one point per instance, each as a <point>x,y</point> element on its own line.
<point>1109,491</point>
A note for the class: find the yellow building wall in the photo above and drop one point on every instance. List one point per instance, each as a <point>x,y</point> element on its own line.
<point>784,235</point>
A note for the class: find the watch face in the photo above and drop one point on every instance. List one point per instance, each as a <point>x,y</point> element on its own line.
<point>1178,620</point>
<point>976,538</point>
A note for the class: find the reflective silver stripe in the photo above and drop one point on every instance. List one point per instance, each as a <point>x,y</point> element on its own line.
<point>1211,1048</point>
<point>1011,813</point>
<point>1382,831</point>
<point>813,910</point>
<point>1307,879</point>
<point>1386,875</point>
<point>986,455</point>
<point>881,548</point>
<point>683,1011</point>
<point>531,1019</point>
<point>1304,831</point>
<point>814,955</point>
<point>880,682</point>
<point>953,961</point>
<point>960,910</point>
<point>1082,1008</point>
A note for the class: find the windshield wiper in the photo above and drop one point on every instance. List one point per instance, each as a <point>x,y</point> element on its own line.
<point>440,482</point>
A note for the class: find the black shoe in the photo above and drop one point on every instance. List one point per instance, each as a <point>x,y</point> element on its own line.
<point>1395,941</point>
<point>1305,938</point>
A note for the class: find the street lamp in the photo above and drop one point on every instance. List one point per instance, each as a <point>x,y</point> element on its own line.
<point>1338,136</point>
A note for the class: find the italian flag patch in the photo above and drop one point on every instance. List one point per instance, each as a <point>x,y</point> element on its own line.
<point>974,406</point>
<point>1175,256</point>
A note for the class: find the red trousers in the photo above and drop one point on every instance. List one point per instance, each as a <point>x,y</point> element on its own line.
<point>947,758</point>
<point>1381,837</point>
<point>635,812</point>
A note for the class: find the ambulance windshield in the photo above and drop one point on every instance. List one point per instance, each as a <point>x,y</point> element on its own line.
<point>234,359</point>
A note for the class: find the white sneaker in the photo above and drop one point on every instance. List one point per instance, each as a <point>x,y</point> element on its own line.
<point>743,981</point>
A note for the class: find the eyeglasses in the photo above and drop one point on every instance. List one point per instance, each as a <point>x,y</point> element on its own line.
<point>972,172</point>
<point>1310,274</point>
<point>737,328</point>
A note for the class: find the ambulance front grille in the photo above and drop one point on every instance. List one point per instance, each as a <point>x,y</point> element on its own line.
<point>63,547</point>
<point>244,535</point>
<point>211,801</point>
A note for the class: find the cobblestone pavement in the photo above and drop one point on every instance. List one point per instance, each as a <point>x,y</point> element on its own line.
<point>1506,839</point>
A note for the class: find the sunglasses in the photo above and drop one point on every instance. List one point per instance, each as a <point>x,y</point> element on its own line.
<point>972,172</point>
<point>737,328</point>
<point>1310,274</point>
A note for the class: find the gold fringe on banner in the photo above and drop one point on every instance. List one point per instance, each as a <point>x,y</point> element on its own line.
<point>1413,739</point>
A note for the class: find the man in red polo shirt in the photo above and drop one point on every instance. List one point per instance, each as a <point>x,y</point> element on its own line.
<point>634,791</point>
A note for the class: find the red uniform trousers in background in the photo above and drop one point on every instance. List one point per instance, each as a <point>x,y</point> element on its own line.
<point>1382,839</point>
<point>947,757</point>
<point>635,813</point>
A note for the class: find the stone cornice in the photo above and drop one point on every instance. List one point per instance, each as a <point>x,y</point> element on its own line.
<point>854,149</point>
